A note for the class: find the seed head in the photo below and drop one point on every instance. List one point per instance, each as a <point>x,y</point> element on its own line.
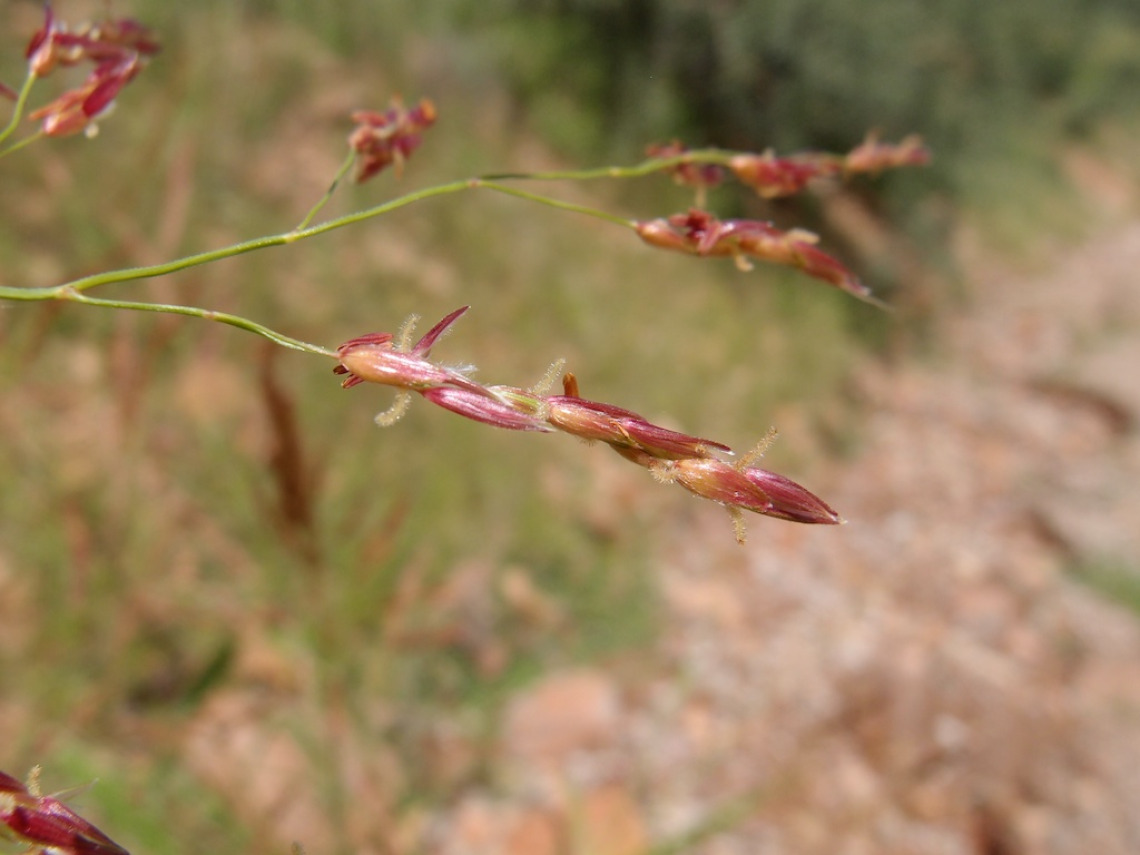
<point>388,139</point>
<point>774,177</point>
<point>77,109</point>
<point>874,156</point>
<point>700,233</point>
<point>118,47</point>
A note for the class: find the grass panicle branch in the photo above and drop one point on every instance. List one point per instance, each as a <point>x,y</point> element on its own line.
<point>118,48</point>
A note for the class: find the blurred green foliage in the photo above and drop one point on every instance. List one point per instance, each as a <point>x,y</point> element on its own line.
<point>786,73</point>
<point>994,88</point>
<point>967,74</point>
<point>811,72</point>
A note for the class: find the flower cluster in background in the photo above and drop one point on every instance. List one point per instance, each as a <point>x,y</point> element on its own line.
<point>699,232</point>
<point>385,139</point>
<point>118,48</point>
<point>774,177</point>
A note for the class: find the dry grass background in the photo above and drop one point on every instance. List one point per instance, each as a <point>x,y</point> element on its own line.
<point>258,620</point>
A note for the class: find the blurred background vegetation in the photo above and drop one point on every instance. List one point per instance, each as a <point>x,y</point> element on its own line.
<point>179,506</point>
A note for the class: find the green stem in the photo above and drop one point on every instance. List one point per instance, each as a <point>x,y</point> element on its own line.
<point>18,110</point>
<point>340,173</point>
<point>16,146</point>
<point>553,203</point>
<point>646,167</point>
<point>74,290</point>
<point>192,311</point>
<point>129,274</point>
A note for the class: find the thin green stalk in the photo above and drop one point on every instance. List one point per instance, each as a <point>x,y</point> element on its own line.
<point>340,173</point>
<point>51,292</point>
<point>646,167</point>
<point>553,203</point>
<point>16,146</point>
<point>18,111</point>
<point>129,274</point>
<point>74,290</point>
<point>194,312</point>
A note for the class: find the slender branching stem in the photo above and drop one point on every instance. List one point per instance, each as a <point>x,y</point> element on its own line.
<point>129,274</point>
<point>193,311</point>
<point>75,291</point>
<point>340,173</point>
<point>17,112</point>
<point>646,167</point>
<point>19,144</point>
<point>553,203</point>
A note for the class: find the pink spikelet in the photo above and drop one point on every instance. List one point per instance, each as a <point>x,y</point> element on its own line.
<point>47,825</point>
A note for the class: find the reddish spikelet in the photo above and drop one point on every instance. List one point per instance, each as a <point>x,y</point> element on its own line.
<point>788,500</point>
<point>384,139</point>
<point>874,156</point>
<point>375,358</point>
<point>746,488</point>
<point>749,488</point>
<point>774,177</point>
<point>107,39</point>
<point>46,824</point>
<point>113,40</point>
<point>661,234</point>
<point>44,49</point>
<point>700,233</point>
<point>739,488</point>
<point>795,248</point>
<point>117,47</point>
<point>76,109</point>
<point>716,480</point>
<point>480,407</point>
<point>621,428</point>
<point>380,363</point>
